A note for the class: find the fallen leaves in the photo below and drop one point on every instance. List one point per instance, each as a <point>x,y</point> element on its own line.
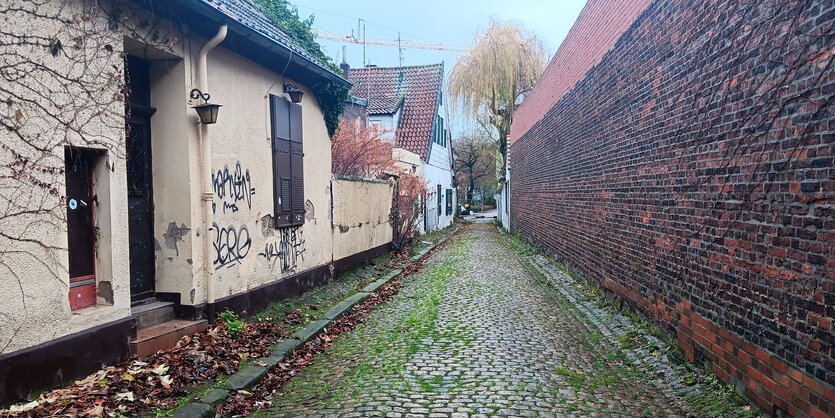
<point>158,381</point>
<point>244,403</point>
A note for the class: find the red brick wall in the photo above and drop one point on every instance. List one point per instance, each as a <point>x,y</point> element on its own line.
<point>600,24</point>
<point>692,172</point>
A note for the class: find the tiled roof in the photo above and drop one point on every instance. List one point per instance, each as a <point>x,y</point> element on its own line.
<point>383,105</point>
<point>245,13</point>
<point>600,24</point>
<point>418,86</point>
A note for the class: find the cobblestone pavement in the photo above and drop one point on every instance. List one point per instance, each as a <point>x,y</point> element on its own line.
<point>487,330</point>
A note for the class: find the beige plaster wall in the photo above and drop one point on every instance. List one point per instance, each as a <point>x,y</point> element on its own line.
<point>246,250</point>
<point>245,244</point>
<point>34,278</point>
<point>360,216</point>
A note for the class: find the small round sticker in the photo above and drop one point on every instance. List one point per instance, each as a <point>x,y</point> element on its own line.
<point>73,204</point>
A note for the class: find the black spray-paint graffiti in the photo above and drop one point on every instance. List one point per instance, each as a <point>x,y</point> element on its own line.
<point>231,245</point>
<point>287,251</point>
<point>231,188</point>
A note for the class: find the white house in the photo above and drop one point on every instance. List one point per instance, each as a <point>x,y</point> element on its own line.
<point>407,104</point>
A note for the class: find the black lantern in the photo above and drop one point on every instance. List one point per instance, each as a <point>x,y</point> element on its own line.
<point>295,93</point>
<point>206,111</point>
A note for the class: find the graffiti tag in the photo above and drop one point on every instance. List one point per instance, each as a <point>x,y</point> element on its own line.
<point>231,245</point>
<point>287,251</point>
<point>232,187</point>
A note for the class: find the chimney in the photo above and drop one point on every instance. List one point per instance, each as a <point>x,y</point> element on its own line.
<point>346,69</point>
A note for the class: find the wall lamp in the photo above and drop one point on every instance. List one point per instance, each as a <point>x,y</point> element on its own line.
<point>206,111</point>
<point>295,93</point>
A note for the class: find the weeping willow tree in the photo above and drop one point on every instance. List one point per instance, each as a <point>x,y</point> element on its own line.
<point>491,80</point>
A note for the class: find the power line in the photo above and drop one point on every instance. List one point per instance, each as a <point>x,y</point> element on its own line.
<point>359,18</point>
<point>398,43</point>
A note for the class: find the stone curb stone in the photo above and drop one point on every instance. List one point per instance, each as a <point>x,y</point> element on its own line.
<point>393,274</point>
<point>343,306</point>
<point>214,396</point>
<point>253,373</point>
<point>194,410</point>
<point>280,352</point>
<point>374,285</point>
<point>311,330</point>
<point>247,377</point>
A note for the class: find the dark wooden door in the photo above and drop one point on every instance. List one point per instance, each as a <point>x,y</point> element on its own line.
<point>81,241</point>
<point>140,204</point>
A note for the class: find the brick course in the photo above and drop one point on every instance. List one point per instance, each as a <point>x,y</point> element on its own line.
<point>692,172</point>
<point>600,24</point>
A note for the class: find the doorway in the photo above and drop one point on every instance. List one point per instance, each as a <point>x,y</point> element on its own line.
<point>140,180</point>
<point>79,165</point>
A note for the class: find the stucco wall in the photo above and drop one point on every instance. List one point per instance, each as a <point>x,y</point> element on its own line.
<point>34,278</point>
<point>360,216</point>
<point>259,252</point>
<point>246,250</point>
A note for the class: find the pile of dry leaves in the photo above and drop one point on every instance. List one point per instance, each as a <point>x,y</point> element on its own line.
<point>244,402</point>
<point>159,380</point>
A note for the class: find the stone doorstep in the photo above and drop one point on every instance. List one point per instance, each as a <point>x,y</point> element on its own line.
<point>163,336</point>
<point>249,376</point>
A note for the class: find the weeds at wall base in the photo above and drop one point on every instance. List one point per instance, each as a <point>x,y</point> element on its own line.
<point>716,396</point>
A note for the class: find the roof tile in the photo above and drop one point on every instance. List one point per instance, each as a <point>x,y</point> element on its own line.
<point>418,86</point>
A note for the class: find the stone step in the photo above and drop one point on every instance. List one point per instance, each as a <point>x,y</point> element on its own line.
<point>164,336</point>
<point>152,313</point>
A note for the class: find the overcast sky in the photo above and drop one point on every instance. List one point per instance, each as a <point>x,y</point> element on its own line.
<point>449,22</point>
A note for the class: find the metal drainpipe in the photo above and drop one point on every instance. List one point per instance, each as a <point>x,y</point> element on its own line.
<point>206,164</point>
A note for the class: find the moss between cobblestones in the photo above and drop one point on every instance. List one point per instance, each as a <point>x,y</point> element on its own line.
<point>387,353</point>
<point>714,399</point>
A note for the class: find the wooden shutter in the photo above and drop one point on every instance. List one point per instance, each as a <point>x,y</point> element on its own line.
<point>449,202</point>
<point>296,164</point>
<point>288,162</point>
<point>282,174</point>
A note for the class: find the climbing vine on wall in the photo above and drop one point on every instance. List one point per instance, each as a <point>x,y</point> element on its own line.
<point>331,96</point>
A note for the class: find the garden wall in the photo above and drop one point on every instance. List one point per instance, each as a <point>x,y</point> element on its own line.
<point>361,211</point>
<point>691,173</point>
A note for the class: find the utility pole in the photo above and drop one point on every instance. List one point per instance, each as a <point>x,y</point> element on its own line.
<point>364,38</point>
<point>399,49</point>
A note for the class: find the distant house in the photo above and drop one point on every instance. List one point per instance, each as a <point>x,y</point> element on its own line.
<point>406,103</point>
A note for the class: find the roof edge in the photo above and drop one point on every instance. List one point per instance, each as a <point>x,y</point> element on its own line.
<point>253,36</point>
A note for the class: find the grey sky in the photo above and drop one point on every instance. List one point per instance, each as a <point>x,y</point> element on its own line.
<point>450,22</point>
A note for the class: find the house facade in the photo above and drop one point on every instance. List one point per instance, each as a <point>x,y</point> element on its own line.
<point>138,203</point>
<point>407,105</point>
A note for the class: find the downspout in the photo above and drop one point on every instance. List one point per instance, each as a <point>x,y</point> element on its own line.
<point>206,165</point>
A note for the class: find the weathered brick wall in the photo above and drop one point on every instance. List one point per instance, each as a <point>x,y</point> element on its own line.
<point>692,172</point>
<point>600,24</point>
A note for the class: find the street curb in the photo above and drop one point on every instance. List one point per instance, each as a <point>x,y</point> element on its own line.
<point>194,410</point>
<point>252,374</point>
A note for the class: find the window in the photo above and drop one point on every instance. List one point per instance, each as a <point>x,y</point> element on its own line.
<point>439,200</point>
<point>448,202</point>
<point>439,133</point>
<point>288,162</point>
